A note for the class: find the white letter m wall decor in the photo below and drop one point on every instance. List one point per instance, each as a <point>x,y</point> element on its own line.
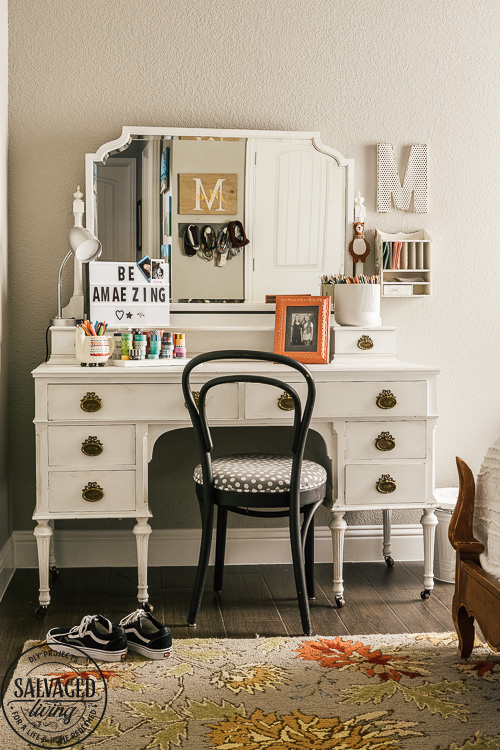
<point>389,185</point>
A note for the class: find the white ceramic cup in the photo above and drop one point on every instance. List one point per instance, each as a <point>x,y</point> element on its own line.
<point>357,304</point>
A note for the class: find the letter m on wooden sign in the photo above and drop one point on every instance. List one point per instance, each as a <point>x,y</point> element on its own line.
<point>208,194</point>
<point>389,185</point>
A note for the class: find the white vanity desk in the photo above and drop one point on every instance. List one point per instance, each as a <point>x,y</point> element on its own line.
<point>96,428</point>
<point>360,395</point>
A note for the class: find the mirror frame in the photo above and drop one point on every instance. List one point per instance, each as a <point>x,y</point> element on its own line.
<point>126,137</point>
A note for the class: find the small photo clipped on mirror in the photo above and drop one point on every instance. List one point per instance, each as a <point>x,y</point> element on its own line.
<point>144,265</point>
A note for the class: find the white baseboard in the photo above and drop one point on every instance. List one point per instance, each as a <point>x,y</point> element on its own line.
<point>7,566</point>
<point>263,546</point>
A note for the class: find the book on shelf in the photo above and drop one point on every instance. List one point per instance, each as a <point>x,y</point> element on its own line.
<point>396,255</point>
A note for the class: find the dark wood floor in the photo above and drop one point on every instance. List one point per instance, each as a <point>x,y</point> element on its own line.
<point>257,600</point>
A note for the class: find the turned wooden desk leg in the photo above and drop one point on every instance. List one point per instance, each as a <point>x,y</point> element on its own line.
<point>429,522</point>
<point>386,547</point>
<point>43,534</point>
<point>142,530</point>
<point>338,527</point>
<point>54,572</point>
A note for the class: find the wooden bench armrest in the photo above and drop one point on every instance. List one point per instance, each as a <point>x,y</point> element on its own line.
<point>461,528</point>
<point>469,549</point>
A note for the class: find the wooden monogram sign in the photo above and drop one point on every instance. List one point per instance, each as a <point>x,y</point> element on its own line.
<point>201,194</point>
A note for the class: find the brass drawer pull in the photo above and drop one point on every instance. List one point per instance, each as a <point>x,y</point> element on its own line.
<point>91,402</point>
<point>365,342</point>
<point>386,400</point>
<point>92,446</point>
<point>385,442</point>
<point>196,396</point>
<point>92,493</point>
<point>386,484</point>
<point>285,402</point>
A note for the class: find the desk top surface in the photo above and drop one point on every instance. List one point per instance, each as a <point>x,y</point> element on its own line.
<point>378,367</point>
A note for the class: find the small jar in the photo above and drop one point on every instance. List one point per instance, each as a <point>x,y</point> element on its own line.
<point>126,343</point>
<point>180,345</point>
<point>117,337</point>
<point>140,342</point>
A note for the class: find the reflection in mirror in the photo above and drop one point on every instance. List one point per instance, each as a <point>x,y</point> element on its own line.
<point>156,189</point>
<point>283,198</point>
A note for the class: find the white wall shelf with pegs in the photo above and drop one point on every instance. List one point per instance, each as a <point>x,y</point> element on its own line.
<point>404,263</point>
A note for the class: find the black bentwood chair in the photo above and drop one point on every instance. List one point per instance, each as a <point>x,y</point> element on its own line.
<point>262,485</point>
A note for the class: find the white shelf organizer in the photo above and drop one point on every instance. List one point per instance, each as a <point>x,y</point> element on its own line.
<point>413,277</point>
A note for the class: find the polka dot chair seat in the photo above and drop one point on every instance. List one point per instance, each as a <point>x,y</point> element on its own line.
<point>260,473</point>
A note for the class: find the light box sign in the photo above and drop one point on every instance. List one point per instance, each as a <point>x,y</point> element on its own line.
<point>124,296</point>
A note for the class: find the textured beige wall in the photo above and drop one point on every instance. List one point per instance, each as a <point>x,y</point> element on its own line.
<point>4,499</point>
<point>358,71</point>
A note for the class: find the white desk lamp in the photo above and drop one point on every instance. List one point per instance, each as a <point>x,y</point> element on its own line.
<point>85,247</point>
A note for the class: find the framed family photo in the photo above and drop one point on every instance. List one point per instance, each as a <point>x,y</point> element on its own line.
<point>302,328</point>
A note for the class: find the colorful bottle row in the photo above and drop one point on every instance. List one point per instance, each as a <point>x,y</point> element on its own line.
<point>154,344</point>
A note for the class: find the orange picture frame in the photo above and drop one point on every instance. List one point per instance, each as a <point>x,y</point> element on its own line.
<point>302,328</point>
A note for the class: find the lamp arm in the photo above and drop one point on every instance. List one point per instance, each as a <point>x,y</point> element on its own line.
<point>59,283</point>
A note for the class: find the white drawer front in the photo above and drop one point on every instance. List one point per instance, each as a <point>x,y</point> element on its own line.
<point>261,401</point>
<point>408,438</point>
<point>66,442</point>
<point>341,399</point>
<point>65,491</point>
<point>358,399</point>
<point>398,290</point>
<point>348,341</point>
<point>136,401</point>
<point>361,483</point>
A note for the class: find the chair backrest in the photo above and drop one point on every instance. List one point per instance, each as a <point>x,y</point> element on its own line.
<point>302,416</point>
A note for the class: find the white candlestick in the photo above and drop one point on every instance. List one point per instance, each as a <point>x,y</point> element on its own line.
<point>360,209</point>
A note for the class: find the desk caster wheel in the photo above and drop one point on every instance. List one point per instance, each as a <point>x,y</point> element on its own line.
<point>389,561</point>
<point>147,607</point>
<point>340,602</point>
<point>41,610</point>
<point>54,572</point>
<point>425,594</point>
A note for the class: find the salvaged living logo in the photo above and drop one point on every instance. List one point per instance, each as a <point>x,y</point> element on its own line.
<point>49,700</point>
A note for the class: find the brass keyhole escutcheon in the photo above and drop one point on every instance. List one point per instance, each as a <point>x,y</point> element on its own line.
<point>385,442</point>
<point>285,402</point>
<point>92,493</point>
<point>365,342</point>
<point>196,397</point>
<point>92,446</point>
<point>386,400</point>
<point>91,402</point>
<point>386,484</point>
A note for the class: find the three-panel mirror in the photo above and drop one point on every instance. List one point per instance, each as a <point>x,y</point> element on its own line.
<point>194,198</point>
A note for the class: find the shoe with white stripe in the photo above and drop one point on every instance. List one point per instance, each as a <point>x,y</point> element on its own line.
<point>147,636</point>
<point>95,635</point>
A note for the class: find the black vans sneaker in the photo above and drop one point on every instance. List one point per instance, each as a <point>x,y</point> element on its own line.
<point>147,636</point>
<point>95,635</point>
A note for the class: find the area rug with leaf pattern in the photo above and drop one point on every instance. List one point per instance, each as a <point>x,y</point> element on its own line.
<point>376,692</point>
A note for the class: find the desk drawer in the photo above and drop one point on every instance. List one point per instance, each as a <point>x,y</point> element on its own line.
<point>379,399</point>
<point>364,342</point>
<point>361,483</point>
<point>343,399</point>
<point>134,401</point>
<point>374,440</point>
<point>91,445</point>
<point>66,487</point>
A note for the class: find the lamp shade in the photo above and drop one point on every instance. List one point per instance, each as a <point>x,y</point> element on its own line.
<point>84,245</point>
